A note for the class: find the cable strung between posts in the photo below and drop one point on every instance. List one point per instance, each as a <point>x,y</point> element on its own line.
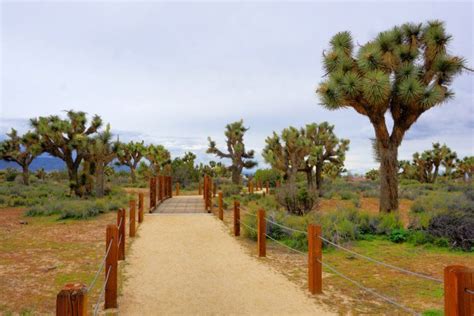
<point>382,263</point>
<point>102,292</point>
<point>468,291</point>
<point>295,250</point>
<point>100,267</point>
<point>120,223</point>
<point>383,297</point>
<point>286,227</point>
<point>119,241</point>
<point>247,226</point>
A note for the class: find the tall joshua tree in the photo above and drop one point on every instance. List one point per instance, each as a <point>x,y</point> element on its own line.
<point>21,150</point>
<point>130,155</point>
<point>404,71</point>
<point>101,153</point>
<point>241,158</point>
<point>67,139</point>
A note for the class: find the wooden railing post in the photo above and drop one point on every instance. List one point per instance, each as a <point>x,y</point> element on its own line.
<point>267,187</point>
<point>458,280</point>
<point>261,237</point>
<point>111,267</point>
<point>177,188</point>
<point>315,271</point>
<point>221,206</point>
<point>209,196</point>
<point>132,218</point>
<point>121,233</point>
<point>152,194</point>
<point>72,300</point>
<point>236,218</point>
<point>140,207</point>
<point>251,187</point>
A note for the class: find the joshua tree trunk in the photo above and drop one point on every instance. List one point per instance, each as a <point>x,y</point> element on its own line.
<point>388,177</point>
<point>73,173</point>
<point>319,178</point>
<point>99,185</point>
<point>132,174</point>
<point>26,175</point>
<point>236,175</point>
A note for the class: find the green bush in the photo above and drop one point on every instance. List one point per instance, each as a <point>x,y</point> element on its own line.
<point>10,174</point>
<point>398,235</point>
<point>231,189</point>
<point>297,199</point>
<point>388,223</point>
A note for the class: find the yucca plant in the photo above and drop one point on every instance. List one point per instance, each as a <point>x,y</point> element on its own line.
<point>129,155</point>
<point>236,152</point>
<point>404,72</point>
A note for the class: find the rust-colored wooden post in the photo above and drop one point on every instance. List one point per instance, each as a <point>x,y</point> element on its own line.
<point>251,187</point>
<point>261,237</point>
<point>121,233</point>
<point>72,300</point>
<point>458,281</point>
<point>221,206</point>
<point>236,218</point>
<point>111,267</point>
<point>152,199</point>
<point>177,189</point>
<point>315,270</point>
<point>140,207</point>
<point>132,218</point>
<point>267,187</point>
<point>210,203</point>
<point>199,188</point>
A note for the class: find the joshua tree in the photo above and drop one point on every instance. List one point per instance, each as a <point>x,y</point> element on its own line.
<point>404,71</point>
<point>427,163</point>
<point>67,139</point>
<point>465,168</point>
<point>449,160</point>
<point>101,152</point>
<point>130,155</point>
<point>235,150</point>
<point>158,156</point>
<point>324,147</point>
<point>287,153</point>
<point>21,150</point>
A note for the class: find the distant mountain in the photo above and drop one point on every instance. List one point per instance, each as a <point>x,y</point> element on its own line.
<point>44,161</point>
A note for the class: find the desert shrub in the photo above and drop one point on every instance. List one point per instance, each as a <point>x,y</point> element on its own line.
<point>270,175</point>
<point>398,235</point>
<point>231,189</point>
<point>455,227</point>
<point>250,220</point>
<point>10,174</point>
<point>388,222</point>
<point>297,198</point>
<point>348,195</point>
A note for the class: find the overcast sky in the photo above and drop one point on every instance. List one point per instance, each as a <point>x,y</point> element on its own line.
<point>175,73</point>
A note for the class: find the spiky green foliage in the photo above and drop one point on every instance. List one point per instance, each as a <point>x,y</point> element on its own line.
<point>405,71</point>
<point>159,157</point>
<point>130,155</point>
<point>21,150</point>
<point>465,168</point>
<point>427,163</point>
<point>310,149</point>
<point>240,157</point>
<point>67,139</point>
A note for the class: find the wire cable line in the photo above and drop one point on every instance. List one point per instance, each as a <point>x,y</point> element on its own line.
<point>120,223</point>
<point>247,226</point>
<point>286,227</point>
<point>284,245</point>
<point>371,291</point>
<point>468,291</point>
<point>102,292</point>
<point>382,263</point>
<point>100,267</point>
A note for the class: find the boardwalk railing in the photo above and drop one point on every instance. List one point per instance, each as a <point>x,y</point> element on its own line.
<point>458,280</point>
<point>72,300</point>
<point>160,190</point>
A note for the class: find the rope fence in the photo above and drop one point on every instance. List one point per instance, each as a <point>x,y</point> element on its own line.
<point>72,299</point>
<point>458,280</point>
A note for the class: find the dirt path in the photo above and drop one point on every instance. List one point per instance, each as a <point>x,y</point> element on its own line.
<point>189,264</point>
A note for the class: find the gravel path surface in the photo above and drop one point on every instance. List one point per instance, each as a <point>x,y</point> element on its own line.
<point>188,264</point>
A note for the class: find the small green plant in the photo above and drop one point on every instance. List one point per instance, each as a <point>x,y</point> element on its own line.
<point>398,235</point>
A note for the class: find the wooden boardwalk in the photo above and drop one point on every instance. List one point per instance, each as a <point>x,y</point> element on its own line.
<point>182,204</point>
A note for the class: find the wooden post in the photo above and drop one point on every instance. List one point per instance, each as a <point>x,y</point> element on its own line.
<point>251,187</point>
<point>152,194</point>
<point>140,207</point>
<point>111,267</point>
<point>261,237</point>
<point>72,300</point>
<point>132,218</point>
<point>199,188</point>
<point>209,195</point>
<point>121,233</point>
<point>170,186</point>
<point>457,281</point>
<point>177,188</point>
<point>315,271</point>
<point>236,218</point>
<point>267,187</point>
<point>221,206</point>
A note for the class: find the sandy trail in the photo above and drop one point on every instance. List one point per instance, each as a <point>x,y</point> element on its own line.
<point>189,264</point>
